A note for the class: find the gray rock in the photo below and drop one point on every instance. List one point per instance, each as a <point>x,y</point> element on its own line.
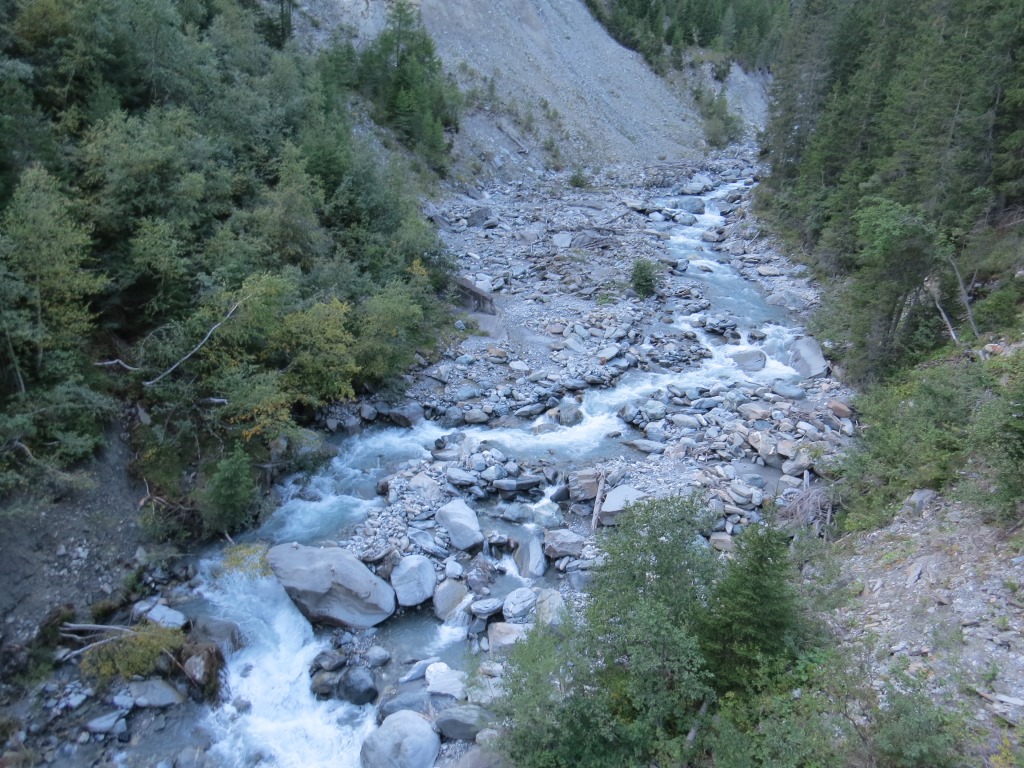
<point>460,477</point>
<point>445,681</point>
<point>689,204</point>
<point>798,464</point>
<point>806,356</point>
<point>550,608</point>
<point>324,683</point>
<point>404,740</point>
<point>376,656</point>
<point>357,685</point>
<point>654,410</point>
<point>416,701</point>
<point>722,541</point>
<point>413,580</point>
<point>749,359</point>
<point>462,722</point>
<point>569,414</point>
<point>487,607</point>
<point>166,617</point>
<point>155,692</point>
<point>448,596</point>
<point>583,484</point>
<point>647,446</point>
<point>331,586</point>
<point>616,500</point>
<point>418,670</point>
<point>226,635</point>
<point>791,391</point>
<point>104,723</point>
<point>425,487</point>
<point>529,553</point>
<point>518,603</point>
<point>462,524</point>
<point>407,415</point>
<point>501,636</point>
<point>475,416</point>
<point>561,543</point>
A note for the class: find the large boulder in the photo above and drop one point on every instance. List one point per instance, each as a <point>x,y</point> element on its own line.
<point>529,552</point>
<point>616,501</point>
<point>414,580</point>
<point>357,685</point>
<point>331,586</point>
<point>404,740</point>
<point>561,543</point>
<point>448,596</point>
<point>461,523</point>
<point>806,356</point>
<point>462,722</point>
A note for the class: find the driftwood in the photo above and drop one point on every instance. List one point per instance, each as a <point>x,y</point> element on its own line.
<point>597,502</point>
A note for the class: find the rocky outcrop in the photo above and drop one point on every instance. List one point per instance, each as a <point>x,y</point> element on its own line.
<point>331,586</point>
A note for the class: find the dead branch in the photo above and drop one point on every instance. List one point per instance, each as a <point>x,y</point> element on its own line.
<point>197,347</point>
<point>597,502</point>
<point>118,361</point>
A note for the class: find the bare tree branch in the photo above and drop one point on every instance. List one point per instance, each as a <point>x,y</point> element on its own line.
<point>197,347</point>
<point>120,362</point>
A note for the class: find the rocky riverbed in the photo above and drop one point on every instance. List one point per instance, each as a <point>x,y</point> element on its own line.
<point>453,520</point>
<point>573,398</point>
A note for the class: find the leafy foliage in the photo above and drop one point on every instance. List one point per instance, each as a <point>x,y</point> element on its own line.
<point>181,193</point>
<point>644,277</point>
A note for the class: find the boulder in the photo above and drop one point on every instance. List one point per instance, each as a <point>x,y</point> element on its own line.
<point>425,487</point>
<point>404,740</point>
<point>550,608</point>
<point>462,722</point>
<point>616,500</point>
<point>501,636</point>
<point>749,359</point>
<point>529,553</point>
<point>445,681</point>
<point>448,595</point>
<point>583,484</point>
<point>561,543</point>
<point>407,415</point>
<point>155,692</point>
<point>357,685</point>
<point>413,580</point>
<point>331,586</point>
<point>518,604</point>
<point>462,524</point>
<point>807,358</point>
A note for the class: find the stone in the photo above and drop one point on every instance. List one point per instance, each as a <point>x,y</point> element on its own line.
<point>647,446</point>
<point>583,484</point>
<point>562,239</point>
<point>798,464</point>
<point>518,603</point>
<point>529,553</point>
<point>104,723</point>
<point>426,487</point>
<point>407,415</point>
<point>155,692</point>
<point>654,410</point>
<point>694,205</point>
<point>789,391</point>
<point>749,359</point>
<point>445,681</point>
<point>376,656</point>
<point>166,617</point>
<point>404,740</point>
<point>840,409</point>
<point>357,685</point>
<point>418,701</point>
<point>807,358</point>
<point>487,607</point>
<point>462,722</point>
<point>561,543</point>
<point>550,609</point>
<point>226,635</point>
<point>569,414</point>
<point>324,683</point>
<point>413,580</point>
<point>722,541</point>
<point>475,416</point>
<point>616,500</point>
<point>460,477</point>
<point>331,586</point>
<point>501,636</point>
<point>448,596</point>
<point>461,523</point>
<point>418,670</point>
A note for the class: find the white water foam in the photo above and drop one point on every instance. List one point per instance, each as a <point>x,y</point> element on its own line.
<point>286,726</point>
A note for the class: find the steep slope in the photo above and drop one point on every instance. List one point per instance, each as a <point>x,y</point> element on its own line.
<point>612,107</point>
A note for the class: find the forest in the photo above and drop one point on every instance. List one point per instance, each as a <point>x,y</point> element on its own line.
<point>190,224</point>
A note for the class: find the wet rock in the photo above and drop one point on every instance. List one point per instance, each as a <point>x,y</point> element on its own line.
<point>460,477</point>
<point>749,359</point>
<point>417,701</point>
<point>407,415</point>
<point>329,661</point>
<point>462,722</point>
<point>413,580</point>
<point>324,683</point>
<point>461,523</point>
<point>529,553</point>
<point>357,685</point>
<point>226,635</point>
<point>487,607</point>
<point>807,358</point>
<point>647,446</point>
<point>448,596</point>
<point>376,656</point>
<point>569,414</point>
<point>404,740</point>
<point>104,723</point>
<point>331,586</point>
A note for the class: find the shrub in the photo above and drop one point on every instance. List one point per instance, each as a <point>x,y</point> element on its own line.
<point>134,653</point>
<point>230,493</point>
<point>644,277</point>
<point>912,732</point>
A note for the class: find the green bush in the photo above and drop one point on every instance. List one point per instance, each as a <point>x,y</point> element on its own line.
<point>230,493</point>
<point>644,277</point>
<point>912,732</point>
